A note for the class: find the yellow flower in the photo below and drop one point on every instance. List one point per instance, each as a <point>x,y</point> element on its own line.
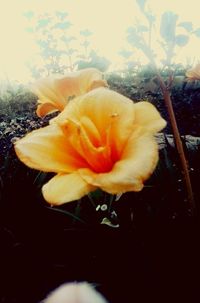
<point>194,74</point>
<point>101,140</point>
<point>54,92</point>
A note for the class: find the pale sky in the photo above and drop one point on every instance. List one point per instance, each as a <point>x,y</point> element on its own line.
<point>108,20</point>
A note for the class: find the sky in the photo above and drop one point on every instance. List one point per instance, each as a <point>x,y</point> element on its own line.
<point>108,20</point>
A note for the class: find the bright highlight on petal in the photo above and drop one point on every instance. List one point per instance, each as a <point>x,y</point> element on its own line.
<point>54,92</point>
<point>100,140</point>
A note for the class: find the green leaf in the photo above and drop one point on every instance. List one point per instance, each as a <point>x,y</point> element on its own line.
<point>40,178</point>
<point>68,39</point>
<point>61,15</point>
<point>186,25</point>
<point>134,38</point>
<point>29,30</point>
<point>107,221</point>
<point>141,4</point>
<point>197,32</point>
<point>86,33</point>
<point>29,14</point>
<point>85,43</point>
<point>43,22</point>
<point>142,28</point>
<point>70,51</point>
<point>62,25</point>
<point>126,54</point>
<point>168,26</point>
<point>181,40</point>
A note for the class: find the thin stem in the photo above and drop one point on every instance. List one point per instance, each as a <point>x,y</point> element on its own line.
<point>178,142</point>
<point>91,200</point>
<point>66,213</point>
<point>111,199</point>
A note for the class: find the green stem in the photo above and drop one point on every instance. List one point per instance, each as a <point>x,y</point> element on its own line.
<point>111,199</point>
<point>91,200</point>
<point>66,213</point>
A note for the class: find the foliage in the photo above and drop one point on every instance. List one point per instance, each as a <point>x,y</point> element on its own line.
<point>59,50</point>
<point>172,36</point>
<point>14,99</point>
<point>170,39</point>
<point>94,60</point>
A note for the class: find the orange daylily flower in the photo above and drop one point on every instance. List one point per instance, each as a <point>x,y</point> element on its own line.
<point>101,140</point>
<point>194,73</point>
<point>54,92</point>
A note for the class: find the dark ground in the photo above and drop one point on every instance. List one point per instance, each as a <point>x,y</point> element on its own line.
<point>154,257</point>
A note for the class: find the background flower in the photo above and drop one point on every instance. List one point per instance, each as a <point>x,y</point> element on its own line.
<point>100,140</point>
<point>194,74</point>
<point>54,92</point>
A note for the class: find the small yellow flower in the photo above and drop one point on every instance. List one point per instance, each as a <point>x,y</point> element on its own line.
<point>100,140</point>
<point>194,74</point>
<point>54,92</point>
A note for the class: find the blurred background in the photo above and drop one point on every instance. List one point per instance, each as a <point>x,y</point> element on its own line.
<point>42,37</point>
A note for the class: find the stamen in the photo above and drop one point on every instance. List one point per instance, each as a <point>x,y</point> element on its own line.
<point>65,126</point>
<point>77,124</point>
<point>114,115</point>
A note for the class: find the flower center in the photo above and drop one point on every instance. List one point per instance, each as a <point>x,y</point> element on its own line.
<point>85,138</point>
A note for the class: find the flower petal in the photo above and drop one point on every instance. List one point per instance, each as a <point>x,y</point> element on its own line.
<point>65,188</point>
<point>147,116</point>
<point>80,139</point>
<point>194,73</point>
<point>91,131</point>
<point>138,161</point>
<point>48,149</point>
<point>57,89</point>
<point>45,108</point>
<point>46,91</point>
<point>112,114</point>
<point>80,82</point>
